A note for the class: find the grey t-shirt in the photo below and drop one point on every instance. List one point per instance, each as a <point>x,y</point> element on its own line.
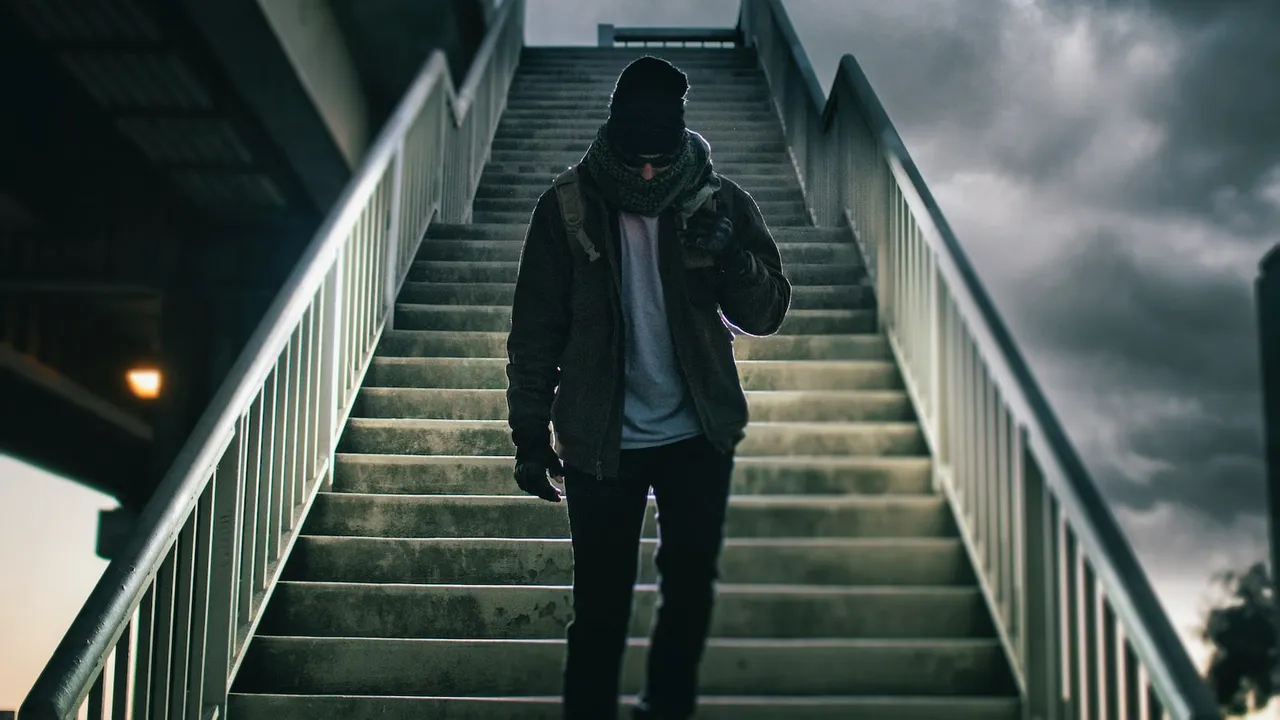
<point>658,408</point>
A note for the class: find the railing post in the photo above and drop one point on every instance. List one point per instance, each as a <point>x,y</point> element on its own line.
<point>331,380</point>
<point>1268,292</point>
<point>1040,631</point>
<point>224,576</point>
<point>939,357</point>
<point>604,35</point>
<point>391,283</point>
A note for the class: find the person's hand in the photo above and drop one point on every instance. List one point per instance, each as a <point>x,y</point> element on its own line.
<point>712,232</point>
<point>537,464</point>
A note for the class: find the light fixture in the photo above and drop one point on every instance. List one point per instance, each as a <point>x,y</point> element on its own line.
<point>145,381</point>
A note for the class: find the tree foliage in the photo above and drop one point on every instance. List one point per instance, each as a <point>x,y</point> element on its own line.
<point>1242,631</point>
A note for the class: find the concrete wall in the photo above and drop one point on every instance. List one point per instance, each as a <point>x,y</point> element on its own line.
<point>315,45</point>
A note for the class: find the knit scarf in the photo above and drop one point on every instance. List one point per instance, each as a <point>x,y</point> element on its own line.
<point>685,184</point>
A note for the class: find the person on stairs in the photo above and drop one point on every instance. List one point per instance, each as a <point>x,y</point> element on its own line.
<point>636,262</point>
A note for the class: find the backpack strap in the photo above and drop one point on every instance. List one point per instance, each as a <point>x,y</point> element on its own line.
<point>569,193</point>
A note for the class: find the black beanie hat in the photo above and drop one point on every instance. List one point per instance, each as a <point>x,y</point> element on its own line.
<point>646,112</point>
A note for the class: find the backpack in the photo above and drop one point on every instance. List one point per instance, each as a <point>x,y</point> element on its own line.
<point>569,193</point>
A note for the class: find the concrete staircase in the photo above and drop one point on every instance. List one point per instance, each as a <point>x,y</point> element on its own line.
<point>425,586</point>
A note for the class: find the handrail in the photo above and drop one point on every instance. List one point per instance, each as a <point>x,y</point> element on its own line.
<point>1053,563</point>
<point>167,624</point>
<point>1267,297</point>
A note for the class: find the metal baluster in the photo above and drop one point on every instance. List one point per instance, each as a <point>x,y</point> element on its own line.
<point>120,670</point>
<point>201,587</point>
<point>1039,519</point>
<point>230,573</point>
<point>1109,662</point>
<point>142,672</point>
<point>1093,689</point>
<point>162,659</point>
<point>185,551</point>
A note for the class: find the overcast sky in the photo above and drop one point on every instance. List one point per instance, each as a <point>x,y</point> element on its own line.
<point>1113,170</point>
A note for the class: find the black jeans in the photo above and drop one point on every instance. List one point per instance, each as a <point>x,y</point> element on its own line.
<point>690,481</point>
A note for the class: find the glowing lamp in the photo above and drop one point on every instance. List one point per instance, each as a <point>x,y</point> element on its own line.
<point>144,382</point>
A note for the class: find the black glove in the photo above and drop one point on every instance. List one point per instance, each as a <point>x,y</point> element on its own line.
<point>713,233</point>
<point>535,460</point>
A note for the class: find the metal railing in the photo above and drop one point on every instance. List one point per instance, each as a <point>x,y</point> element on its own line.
<point>1082,629</point>
<point>1268,299</point>
<point>165,629</point>
<point>611,36</point>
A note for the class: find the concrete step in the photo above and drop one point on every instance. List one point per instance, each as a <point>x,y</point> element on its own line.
<point>795,217</point>
<point>825,322</point>
<point>448,271</point>
<point>750,183</point>
<point>595,76</point>
<point>473,610</point>
<point>609,68</point>
<point>600,93</point>
<point>516,233</point>
<point>483,318</point>
<point>533,667</point>
<point>581,138</point>
<point>804,297</point>
<point>615,64</point>
<point>612,67</point>
<point>530,192</point>
<point>478,475</point>
<point>308,707</point>
<point>624,54</point>
<point>694,111</point>
<point>524,516</point>
<point>700,72</point>
<point>597,56</point>
<point>730,146</point>
<point>547,171</point>
<point>457,294</point>
<point>490,373</point>
<point>712,88</point>
<point>695,116</point>
<point>608,71</point>
<point>519,210</point>
<point>507,251</point>
<point>464,272</point>
<point>418,436</point>
<point>510,127</point>
<point>815,406</point>
<point>569,156</point>
<point>931,562</point>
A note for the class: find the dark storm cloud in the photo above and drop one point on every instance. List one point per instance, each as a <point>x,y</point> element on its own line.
<point>1130,310</point>
<point>1223,110</point>
<point>1155,324</point>
<point>1213,460</point>
<point>1159,331</point>
<point>1219,108</point>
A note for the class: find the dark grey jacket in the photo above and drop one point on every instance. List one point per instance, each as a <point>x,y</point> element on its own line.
<point>564,351</point>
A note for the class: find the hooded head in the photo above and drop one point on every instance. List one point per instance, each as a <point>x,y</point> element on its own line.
<point>646,112</point>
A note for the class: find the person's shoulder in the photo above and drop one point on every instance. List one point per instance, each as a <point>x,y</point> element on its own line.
<point>731,188</point>
<point>549,200</point>
<point>734,197</point>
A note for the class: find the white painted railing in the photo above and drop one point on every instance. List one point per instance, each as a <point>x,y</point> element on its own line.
<point>165,629</point>
<point>1083,631</point>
